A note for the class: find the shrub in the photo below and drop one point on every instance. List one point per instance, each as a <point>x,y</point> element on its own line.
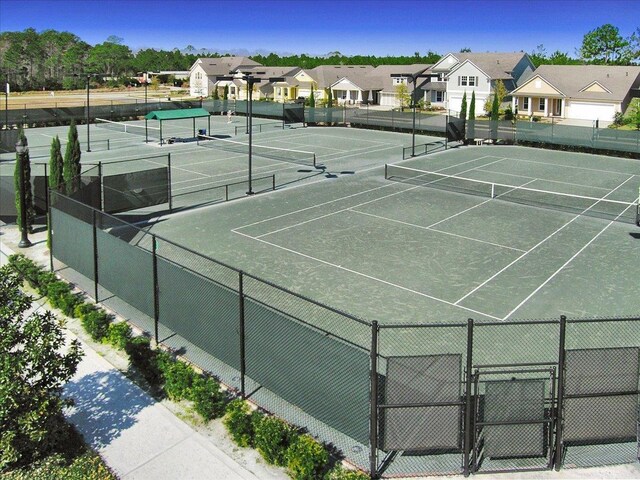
<point>208,399</point>
<point>56,291</point>
<point>341,473</point>
<point>306,458</point>
<point>83,309</point>
<point>96,323</point>
<point>144,359</point>
<point>239,423</point>
<point>45,279</point>
<point>119,334</point>
<point>178,376</point>
<point>272,438</point>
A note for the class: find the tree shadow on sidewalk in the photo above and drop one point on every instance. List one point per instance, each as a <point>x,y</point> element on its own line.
<point>106,404</point>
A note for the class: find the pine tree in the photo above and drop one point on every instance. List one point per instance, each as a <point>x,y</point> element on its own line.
<point>25,169</point>
<point>463,107</point>
<point>71,167</point>
<point>56,165</point>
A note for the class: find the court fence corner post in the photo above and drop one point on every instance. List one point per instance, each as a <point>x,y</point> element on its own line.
<point>49,222</point>
<point>373,414</point>
<point>560,404</point>
<point>468,424</point>
<point>242,333</point>
<point>156,288</point>
<point>95,255</point>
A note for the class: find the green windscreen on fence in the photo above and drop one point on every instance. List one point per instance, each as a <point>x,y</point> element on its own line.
<point>133,190</point>
<point>322,375</point>
<point>126,270</point>
<point>72,242</point>
<point>200,310</point>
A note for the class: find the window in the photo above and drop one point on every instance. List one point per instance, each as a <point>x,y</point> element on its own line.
<point>198,75</point>
<point>541,104</point>
<point>437,97</point>
<point>525,103</point>
<point>463,81</point>
<point>399,80</point>
<point>473,81</point>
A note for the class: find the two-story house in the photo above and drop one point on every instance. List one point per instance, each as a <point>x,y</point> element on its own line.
<point>203,73</point>
<point>457,73</point>
<point>391,77</point>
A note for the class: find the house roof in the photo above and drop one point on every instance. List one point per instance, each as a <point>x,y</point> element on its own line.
<point>385,72</point>
<point>327,75</point>
<point>594,82</point>
<point>223,65</point>
<point>495,65</point>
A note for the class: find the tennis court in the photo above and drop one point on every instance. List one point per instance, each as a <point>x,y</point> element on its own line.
<point>399,252</point>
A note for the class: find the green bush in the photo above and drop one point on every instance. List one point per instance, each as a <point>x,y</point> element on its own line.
<point>144,359</point>
<point>178,376</point>
<point>306,459</point>
<point>45,279</point>
<point>272,438</point>
<point>238,421</point>
<point>57,292</point>
<point>340,473</point>
<point>83,309</point>
<point>119,334</point>
<point>208,399</point>
<point>96,323</point>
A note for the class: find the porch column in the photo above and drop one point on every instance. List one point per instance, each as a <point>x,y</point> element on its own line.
<point>530,106</point>
<point>514,104</point>
<point>563,107</point>
<point>546,106</point>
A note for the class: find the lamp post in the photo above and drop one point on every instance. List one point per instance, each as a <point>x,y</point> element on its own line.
<point>412,78</point>
<point>22,149</point>
<point>88,118</point>
<point>146,84</point>
<point>6,107</point>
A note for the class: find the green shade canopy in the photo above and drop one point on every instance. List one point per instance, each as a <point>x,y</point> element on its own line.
<point>176,114</point>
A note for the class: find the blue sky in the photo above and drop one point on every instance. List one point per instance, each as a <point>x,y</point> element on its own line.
<point>367,27</point>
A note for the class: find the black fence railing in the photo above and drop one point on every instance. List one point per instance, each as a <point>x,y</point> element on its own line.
<point>394,399</point>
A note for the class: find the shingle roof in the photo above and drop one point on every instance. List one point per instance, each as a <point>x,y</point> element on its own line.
<point>572,79</point>
<point>327,75</point>
<point>385,72</point>
<point>495,65</point>
<point>223,65</point>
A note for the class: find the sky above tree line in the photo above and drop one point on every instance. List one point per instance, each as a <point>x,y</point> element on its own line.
<point>352,27</point>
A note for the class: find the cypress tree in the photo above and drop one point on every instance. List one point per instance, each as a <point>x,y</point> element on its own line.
<point>463,107</point>
<point>312,98</point>
<point>329,98</point>
<point>56,165</point>
<point>28,195</point>
<point>472,116</point>
<point>71,167</point>
<point>495,108</point>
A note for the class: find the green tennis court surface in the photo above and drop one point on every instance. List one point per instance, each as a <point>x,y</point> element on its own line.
<point>405,253</point>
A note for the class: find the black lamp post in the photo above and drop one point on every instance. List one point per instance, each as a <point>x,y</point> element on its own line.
<point>22,149</point>
<point>146,84</point>
<point>6,106</point>
<point>88,75</point>
<point>412,78</point>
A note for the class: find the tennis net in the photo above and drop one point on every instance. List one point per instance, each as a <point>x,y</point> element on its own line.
<point>152,132</point>
<point>423,149</point>
<point>283,154</point>
<point>620,211</point>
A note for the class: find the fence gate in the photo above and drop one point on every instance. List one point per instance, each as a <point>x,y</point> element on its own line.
<point>514,419</point>
<point>600,406</point>
<point>293,113</point>
<point>422,408</point>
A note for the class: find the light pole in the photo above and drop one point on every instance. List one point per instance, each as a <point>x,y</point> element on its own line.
<point>88,131</point>
<point>22,149</point>
<point>146,84</point>
<point>6,107</point>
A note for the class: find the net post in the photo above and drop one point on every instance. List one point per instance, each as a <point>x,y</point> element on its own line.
<point>386,171</point>
<point>373,401</point>
<point>156,288</point>
<point>226,193</point>
<point>108,144</point>
<point>242,334</point>
<point>468,404</point>
<point>493,190</point>
<point>560,403</point>
<point>95,255</point>
<point>314,161</point>
<point>273,185</point>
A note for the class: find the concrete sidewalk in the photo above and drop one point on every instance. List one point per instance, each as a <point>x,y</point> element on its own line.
<point>139,438</point>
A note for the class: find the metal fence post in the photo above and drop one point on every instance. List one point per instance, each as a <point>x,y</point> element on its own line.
<point>156,288</point>
<point>560,404</point>
<point>169,181</point>
<point>95,255</point>
<point>468,405</point>
<point>49,236</point>
<point>373,417</point>
<point>242,336</point>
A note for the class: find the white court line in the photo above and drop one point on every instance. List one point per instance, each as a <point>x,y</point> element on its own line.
<point>350,196</point>
<point>538,244</point>
<point>370,277</point>
<point>353,206</point>
<point>436,230</point>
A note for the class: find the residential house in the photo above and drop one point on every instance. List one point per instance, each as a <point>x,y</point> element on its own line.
<point>457,73</point>
<point>203,73</point>
<point>283,89</point>
<point>579,92</point>
<point>349,84</point>
<point>388,96</point>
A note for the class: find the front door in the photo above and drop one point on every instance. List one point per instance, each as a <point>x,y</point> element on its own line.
<point>557,107</point>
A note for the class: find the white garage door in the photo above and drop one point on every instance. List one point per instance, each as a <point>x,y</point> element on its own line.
<point>592,111</point>
<point>388,99</point>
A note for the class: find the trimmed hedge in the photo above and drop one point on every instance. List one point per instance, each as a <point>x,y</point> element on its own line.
<point>306,459</point>
<point>208,400</point>
<point>238,420</point>
<point>272,438</point>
